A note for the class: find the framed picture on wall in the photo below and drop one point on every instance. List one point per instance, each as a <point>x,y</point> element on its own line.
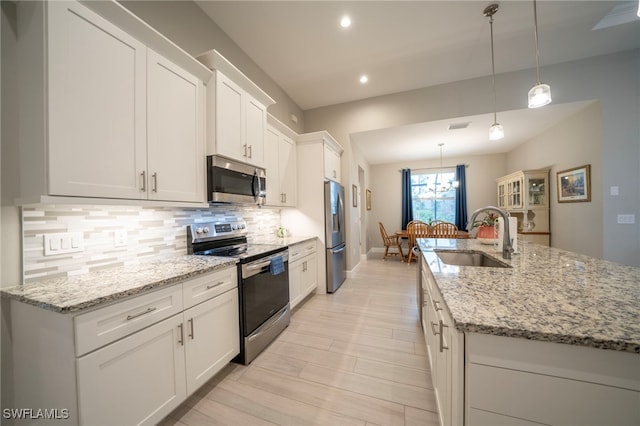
<point>354,190</point>
<point>368,200</point>
<point>574,185</point>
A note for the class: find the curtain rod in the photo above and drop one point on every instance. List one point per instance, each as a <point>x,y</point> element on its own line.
<point>433,168</point>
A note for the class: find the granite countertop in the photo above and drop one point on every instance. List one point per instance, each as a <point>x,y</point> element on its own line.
<point>549,294</point>
<point>284,241</point>
<point>79,292</point>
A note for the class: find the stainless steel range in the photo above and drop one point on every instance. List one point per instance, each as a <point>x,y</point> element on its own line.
<point>263,281</point>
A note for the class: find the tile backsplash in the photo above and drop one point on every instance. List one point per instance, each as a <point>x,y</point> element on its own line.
<point>151,233</point>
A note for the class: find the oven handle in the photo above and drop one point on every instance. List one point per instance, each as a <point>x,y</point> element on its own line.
<point>254,268</point>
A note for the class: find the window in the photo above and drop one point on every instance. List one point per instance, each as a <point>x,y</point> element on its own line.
<point>434,196</point>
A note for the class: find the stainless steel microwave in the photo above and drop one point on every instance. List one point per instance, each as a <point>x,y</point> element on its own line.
<point>230,181</point>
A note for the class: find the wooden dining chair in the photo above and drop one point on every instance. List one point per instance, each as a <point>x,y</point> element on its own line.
<point>416,229</point>
<point>389,242</point>
<point>444,230</point>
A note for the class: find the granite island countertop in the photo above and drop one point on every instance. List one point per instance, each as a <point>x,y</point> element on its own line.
<point>548,294</point>
<point>79,292</point>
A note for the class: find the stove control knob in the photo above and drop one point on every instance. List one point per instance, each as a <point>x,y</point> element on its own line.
<point>206,230</point>
<point>234,227</point>
<point>199,230</point>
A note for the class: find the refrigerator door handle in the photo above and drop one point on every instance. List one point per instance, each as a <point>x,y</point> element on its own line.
<point>333,251</point>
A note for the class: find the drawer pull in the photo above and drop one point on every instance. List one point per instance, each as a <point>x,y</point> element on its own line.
<point>442,346</point>
<point>139,314</point>
<point>181,335</point>
<point>191,334</point>
<point>436,305</point>
<point>219,283</point>
<point>433,324</point>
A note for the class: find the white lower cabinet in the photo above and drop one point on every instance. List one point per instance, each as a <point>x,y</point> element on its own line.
<point>136,380</point>
<point>526,382</point>
<point>303,271</point>
<point>212,337</point>
<point>490,380</point>
<point>131,362</point>
<point>445,348</point>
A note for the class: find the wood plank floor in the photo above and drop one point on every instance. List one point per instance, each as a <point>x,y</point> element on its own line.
<point>355,357</point>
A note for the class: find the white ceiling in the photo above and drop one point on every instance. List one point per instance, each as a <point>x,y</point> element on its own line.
<point>405,45</point>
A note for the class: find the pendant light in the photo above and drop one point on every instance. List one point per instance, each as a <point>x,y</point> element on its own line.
<point>496,131</point>
<point>540,94</point>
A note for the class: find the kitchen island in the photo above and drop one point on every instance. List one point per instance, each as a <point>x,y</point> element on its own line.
<point>553,337</point>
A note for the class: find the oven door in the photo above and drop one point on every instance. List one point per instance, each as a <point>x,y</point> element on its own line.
<point>229,181</point>
<point>263,293</point>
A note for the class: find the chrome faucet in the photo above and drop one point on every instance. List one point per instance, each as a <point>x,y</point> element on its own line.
<point>507,248</point>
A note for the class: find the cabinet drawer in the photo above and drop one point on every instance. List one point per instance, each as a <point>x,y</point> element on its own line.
<point>209,285</point>
<point>102,326</point>
<point>298,251</point>
<point>549,399</point>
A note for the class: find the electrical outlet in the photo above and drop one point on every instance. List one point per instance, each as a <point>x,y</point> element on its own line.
<point>120,238</point>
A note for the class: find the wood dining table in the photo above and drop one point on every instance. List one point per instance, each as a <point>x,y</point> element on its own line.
<point>459,234</point>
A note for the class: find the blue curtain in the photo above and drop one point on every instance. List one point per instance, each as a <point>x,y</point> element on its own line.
<point>407,208</point>
<point>461,197</point>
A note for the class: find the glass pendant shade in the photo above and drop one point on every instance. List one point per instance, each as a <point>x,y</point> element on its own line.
<point>539,95</point>
<point>496,132</point>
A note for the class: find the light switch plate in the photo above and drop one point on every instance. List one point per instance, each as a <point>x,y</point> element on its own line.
<point>627,219</point>
<point>63,243</point>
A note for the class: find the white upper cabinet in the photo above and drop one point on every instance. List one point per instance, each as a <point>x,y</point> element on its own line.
<point>175,132</point>
<point>332,163</point>
<point>280,163</point>
<point>237,118</point>
<point>109,116</point>
<point>97,100</point>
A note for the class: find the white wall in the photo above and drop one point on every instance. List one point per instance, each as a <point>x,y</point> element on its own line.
<point>574,142</point>
<point>614,80</point>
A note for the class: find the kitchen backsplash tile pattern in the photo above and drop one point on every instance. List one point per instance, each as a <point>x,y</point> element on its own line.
<point>151,233</point>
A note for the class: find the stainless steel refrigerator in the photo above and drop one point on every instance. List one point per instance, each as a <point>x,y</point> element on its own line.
<point>334,225</point>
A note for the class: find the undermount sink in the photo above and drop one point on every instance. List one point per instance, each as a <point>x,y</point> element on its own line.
<point>469,258</point>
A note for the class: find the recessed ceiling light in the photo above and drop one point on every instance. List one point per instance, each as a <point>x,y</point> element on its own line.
<point>364,79</point>
<point>345,22</point>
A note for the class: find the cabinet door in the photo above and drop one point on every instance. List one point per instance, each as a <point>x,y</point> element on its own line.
<point>295,278</point>
<point>175,130</point>
<point>309,279</point>
<point>229,118</point>
<point>96,106</point>
<point>502,195</point>
<point>255,125</point>
<point>331,164</point>
<point>288,171</point>
<point>137,380</point>
<point>212,336</point>
<point>536,191</point>
<point>272,165</point>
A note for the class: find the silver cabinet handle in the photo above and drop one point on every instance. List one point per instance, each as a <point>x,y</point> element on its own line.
<point>191,328</point>
<point>245,150</point>
<point>143,188</point>
<point>433,324</point>
<point>219,283</point>
<point>250,151</point>
<point>139,314</point>
<point>436,305</point>
<point>181,336</point>
<point>442,346</point>
<point>155,182</point>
